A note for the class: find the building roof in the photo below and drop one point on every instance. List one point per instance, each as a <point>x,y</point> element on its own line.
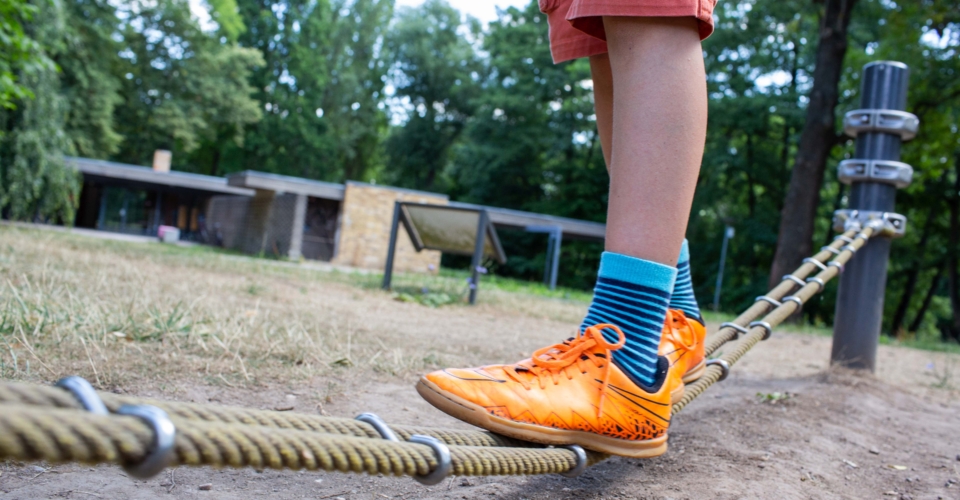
<point>145,177</point>
<point>516,219</point>
<point>286,184</point>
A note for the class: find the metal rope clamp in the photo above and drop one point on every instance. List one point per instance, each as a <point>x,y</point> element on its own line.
<point>888,121</point>
<point>888,224</point>
<point>161,450</point>
<point>789,277</point>
<point>736,328</point>
<point>444,463</point>
<point>724,367</point>
<point>766,326</point>
<point>581,464</point>
<point>379,425</point>
<point>773,302</point>
<point>161,447</point>
<point>84,393</point>
<point>796,300</point>
<point>897,173</point>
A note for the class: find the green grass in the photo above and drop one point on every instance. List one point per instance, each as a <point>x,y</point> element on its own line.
<point>449,288</point>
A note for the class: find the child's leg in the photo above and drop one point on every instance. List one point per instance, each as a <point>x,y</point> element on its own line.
<point>683,297</point>
<point>659,129</point>
<point>571,393</point>
<point>659,126</point>
<point>603,101</point>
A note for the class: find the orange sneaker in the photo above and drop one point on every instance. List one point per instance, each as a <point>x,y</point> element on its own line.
<point>682,343</point>
<point>568,393</point>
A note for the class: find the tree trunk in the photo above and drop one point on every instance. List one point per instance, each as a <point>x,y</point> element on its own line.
<point>795,241</point>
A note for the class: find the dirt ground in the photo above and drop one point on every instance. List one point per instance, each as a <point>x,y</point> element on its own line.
<point>187,325</point>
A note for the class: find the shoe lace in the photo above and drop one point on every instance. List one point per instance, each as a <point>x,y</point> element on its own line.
<point>678,337</point>
<point>558,359</point>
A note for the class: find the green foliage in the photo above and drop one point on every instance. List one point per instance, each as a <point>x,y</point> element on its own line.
<point>436,72</point>
<point>227,15</point>
<point>88,79</point>
<point>182,88</point>
<point>34,183</point>
<point>19,53</point>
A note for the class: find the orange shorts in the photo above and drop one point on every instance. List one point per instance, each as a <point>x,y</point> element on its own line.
<point>576,26</point>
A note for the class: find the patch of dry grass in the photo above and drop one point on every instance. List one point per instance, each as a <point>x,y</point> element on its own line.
<point>123,313</point>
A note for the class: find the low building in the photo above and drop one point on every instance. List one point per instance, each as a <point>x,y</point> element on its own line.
<point>268,214</point>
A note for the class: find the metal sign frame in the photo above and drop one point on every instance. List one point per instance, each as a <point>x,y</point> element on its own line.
<point>485,229</point>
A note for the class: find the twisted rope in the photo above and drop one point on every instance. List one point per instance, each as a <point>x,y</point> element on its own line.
<point>45,423</point>
<point>64,435</point>
<point>775,317</point>
<point>780,291</point>
<point>30,394</point>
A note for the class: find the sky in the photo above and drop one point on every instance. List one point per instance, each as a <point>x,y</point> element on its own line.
<point>484,10</point>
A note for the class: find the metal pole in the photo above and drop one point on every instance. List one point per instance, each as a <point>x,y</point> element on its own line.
<point>548,261</point>
<point>727,234</point>
<point>874,173</point>
<point>392,246</point>
<point>482,223</point>
<point>556,240</point>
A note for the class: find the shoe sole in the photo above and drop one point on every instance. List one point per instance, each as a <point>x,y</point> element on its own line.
<point>475,414</point>
<point>691,376</point>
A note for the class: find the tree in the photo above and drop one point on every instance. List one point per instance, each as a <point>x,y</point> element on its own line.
<point>19,53</point>
<point>34,182</point>
<point>435,70</point>
<point>182,88</point>
<point>321,87</point>
<point>88,81</point>
<point>797,219</point>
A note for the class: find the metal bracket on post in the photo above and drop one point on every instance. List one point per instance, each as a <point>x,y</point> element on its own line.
<point>891,225</point>
<point>885,171</point>
<point>889,121</point>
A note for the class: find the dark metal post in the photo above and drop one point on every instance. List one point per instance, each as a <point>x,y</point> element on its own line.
<point>875,173</point>
<point>482,222</point>
<point>392,246</point>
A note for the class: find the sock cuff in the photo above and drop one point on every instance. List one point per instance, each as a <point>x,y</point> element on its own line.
<point>684,252</point>
<point>637,271</point>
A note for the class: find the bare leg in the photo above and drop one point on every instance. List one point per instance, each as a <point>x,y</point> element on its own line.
<point>603,101</point>
<point>659,129</point>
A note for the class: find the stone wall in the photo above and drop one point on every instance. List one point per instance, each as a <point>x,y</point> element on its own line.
<point>365,229</point>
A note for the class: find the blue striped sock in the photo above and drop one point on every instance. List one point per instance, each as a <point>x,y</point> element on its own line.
<point>633,294</point>
<point>683,297</point>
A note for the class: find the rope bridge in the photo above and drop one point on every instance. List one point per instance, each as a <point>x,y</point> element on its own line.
<point>78,424</point>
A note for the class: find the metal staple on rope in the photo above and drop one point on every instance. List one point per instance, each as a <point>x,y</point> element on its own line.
<point>837,265</point>
<point>830,249</point>
<point>790,277</point>
<point>581,461</point>
<point>766,326</point>
<point>381,427</point>
<point>844,239</point>
<point>811,260</point>
<point>85,394</point>
<point>739,329</point>
<point>796,300</point>
<point>161,445</point>
<point>818,281</point>
<point>724,367</point>
<point>768,300</point>
<point>444,465</point>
